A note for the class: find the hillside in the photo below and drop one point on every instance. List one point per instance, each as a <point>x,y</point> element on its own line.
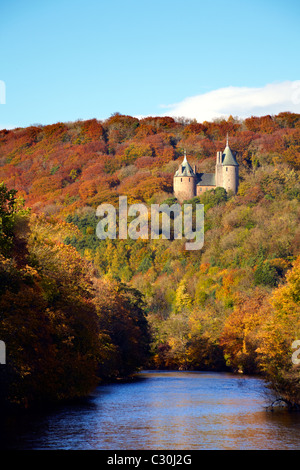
<point>62,167</point>
<point>234,305</point>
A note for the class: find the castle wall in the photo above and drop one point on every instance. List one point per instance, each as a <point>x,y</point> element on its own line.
<point>184,187</point>
<point>230,178</point>
<point>202,189</point>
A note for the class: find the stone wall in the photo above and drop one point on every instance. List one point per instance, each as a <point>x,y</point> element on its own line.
<point>184,187</point>
<point>230,178</point>
<point>202,189</point>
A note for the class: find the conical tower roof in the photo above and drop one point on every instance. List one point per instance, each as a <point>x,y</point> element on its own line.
<point>228,157</point>
<point>185,169</point>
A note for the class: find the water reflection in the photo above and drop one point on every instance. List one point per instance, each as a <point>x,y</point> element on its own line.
<point>163,410</point>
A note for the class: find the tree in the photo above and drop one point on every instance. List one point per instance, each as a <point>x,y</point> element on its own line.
<point>122,319</point>
<point>266,274</point>
<point>48,320</point>
<point>10,207</point>
<point>182,299</point>
<point>277,338</point>
<point>240,336</point>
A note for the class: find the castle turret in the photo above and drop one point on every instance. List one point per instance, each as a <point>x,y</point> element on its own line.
<point>219,170</point>
<point>185,180</point>
<point>230,170</point>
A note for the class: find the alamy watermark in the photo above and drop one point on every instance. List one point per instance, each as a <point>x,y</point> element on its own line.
<point>163,221</point>
<point>2,92</point>
<point>2,352</point>
<point>295,358</point>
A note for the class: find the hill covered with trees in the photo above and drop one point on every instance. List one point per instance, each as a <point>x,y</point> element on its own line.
<point>66,166</point>
<point>233,305</point>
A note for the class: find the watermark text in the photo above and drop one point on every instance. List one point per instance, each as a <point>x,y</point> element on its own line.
<point>2,92</point>
<point>163,221</point>
<point>2,352</point>
<point>295,358</point>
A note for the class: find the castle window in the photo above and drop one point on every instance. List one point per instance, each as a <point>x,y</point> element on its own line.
<point>226,168</point>
<point>180,180</point>
<point>189,179</point>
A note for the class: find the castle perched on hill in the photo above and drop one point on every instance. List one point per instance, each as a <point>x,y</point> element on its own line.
<point>188,183</point>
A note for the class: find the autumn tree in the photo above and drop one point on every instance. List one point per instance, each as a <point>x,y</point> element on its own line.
<point>240,336</point>
<point>10,208</point>
<point>277,339</point>
<point>122,319</point>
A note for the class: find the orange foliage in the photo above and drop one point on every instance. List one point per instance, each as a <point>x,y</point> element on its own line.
<point>60,161</point>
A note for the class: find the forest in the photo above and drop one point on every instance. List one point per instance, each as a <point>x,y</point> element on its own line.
<point>76,310</point>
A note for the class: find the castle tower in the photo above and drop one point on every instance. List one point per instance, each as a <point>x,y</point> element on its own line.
<point>219,170</point>
<point>230,170</point>
<point>184,182</point>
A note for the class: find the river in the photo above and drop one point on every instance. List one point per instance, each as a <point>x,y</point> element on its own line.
<point>162,410</point>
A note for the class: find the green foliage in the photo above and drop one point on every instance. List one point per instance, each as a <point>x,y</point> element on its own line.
<point>213,198</point>
<point>54,169</point>
<point>170,201</point>
<point>121,318</point>
<point>145,264</point>
<point>10,208</point>
<point>266,274</point>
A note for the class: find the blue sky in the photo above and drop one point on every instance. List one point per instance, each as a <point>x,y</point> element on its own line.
<point>63,60</point>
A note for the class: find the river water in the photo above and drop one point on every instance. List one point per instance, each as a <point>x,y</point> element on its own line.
<point>163,410</point>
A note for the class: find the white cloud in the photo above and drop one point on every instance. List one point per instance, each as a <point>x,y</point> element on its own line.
<point>7,126</point>
<point>240,102</point>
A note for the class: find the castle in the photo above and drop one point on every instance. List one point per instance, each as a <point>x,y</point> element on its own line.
<point>188,183</point>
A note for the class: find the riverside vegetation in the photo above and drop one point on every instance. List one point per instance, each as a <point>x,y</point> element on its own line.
<point>76,310</point>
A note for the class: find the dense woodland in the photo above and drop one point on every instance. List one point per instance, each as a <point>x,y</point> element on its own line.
<point>75,309</point>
